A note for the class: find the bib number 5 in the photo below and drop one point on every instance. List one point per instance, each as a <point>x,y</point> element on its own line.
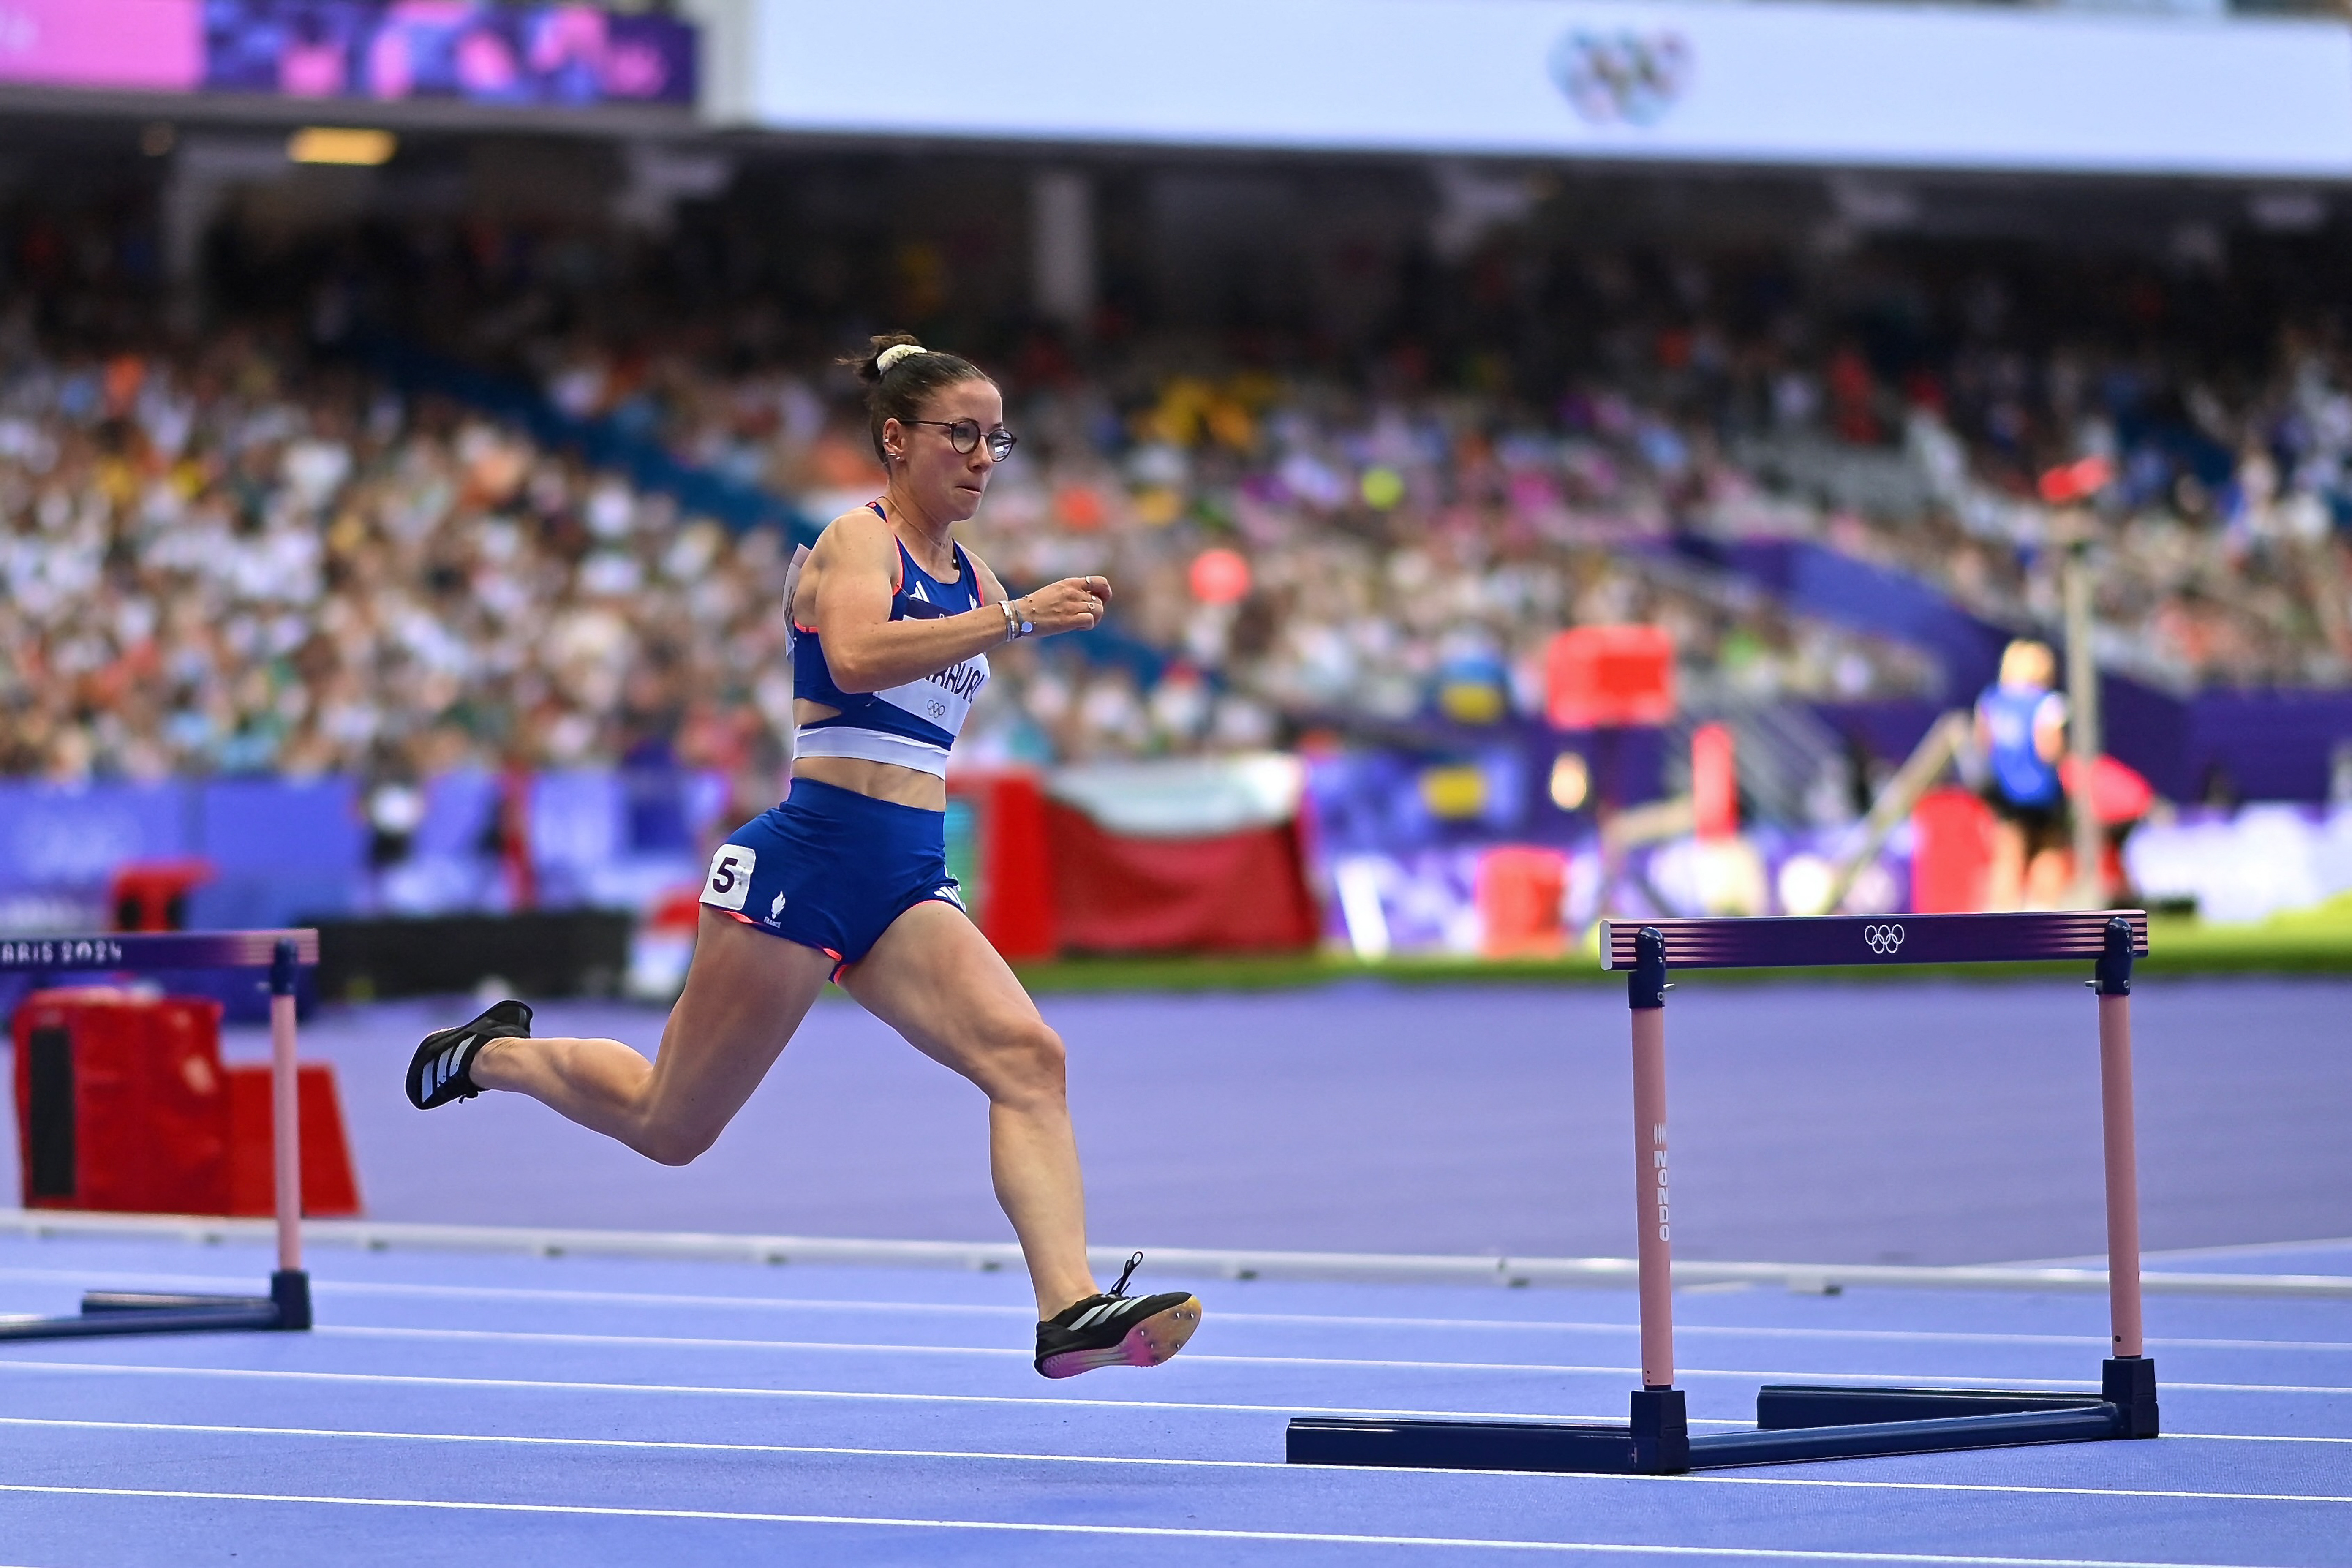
<point>730,877</point>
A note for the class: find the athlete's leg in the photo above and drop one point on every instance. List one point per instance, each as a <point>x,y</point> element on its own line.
<point>2005,876</point>
<point>745,995</point>
<point>937,981</point>
<point>2049,878</point>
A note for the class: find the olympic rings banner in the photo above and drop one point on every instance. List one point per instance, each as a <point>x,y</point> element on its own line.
<point>1882,85</point>
<point>571,56</point>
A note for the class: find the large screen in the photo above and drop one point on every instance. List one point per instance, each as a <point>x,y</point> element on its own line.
<point>1805,83</point>
<point>469,50</point>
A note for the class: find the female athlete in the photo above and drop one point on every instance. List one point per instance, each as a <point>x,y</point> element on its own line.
<point>847,878</point>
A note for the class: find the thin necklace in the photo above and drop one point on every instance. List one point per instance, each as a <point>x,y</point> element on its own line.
<point>938,542</point>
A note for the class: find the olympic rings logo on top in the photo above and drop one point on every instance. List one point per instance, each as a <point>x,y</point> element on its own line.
<point>1885,940</point>
<point>1620,77</point>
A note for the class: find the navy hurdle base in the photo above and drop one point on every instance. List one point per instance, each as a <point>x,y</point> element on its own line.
<point>282,953</point>
<point>1798,1422</point>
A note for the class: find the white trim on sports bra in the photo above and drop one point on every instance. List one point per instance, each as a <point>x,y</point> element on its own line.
<point>861,745</point>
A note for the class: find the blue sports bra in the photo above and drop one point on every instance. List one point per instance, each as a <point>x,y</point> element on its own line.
<point>913,724</point>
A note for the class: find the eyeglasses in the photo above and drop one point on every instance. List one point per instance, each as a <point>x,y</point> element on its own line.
<point>963,435</point>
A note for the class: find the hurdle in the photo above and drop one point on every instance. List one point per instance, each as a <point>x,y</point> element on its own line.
<point>282,953</point>
<point>1796,1421</point>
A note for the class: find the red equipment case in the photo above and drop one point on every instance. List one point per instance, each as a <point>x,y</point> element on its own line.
<point>121,1103</point>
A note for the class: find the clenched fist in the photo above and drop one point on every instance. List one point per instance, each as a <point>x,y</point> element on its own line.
<point>1071,604</point>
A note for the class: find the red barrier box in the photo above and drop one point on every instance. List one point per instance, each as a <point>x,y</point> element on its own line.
<point>1715,783</point>
<point>1599,677</point>
<point>1519,889</point>
<point>121,1102</point>
<point>331,1188</point>
<point>1952,852</point>
<point>1006,863</point>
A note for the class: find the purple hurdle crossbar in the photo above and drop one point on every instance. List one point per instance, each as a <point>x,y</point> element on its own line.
<point>1799,1421</point>
<point>282,953</point>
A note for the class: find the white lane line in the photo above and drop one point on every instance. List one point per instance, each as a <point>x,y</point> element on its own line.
<point>1313,1320</point>
<point>2245,1438</point>
<point>2029,1491</point>
<point>420,1380</point>
<point>1859,1379</point>
<point>1131,1531</point>
<point>666,1342</point>
<point>652,1444</point>
<point>2095,1336</point>
<point>509,1292</point>
<point>1375,1363</point>
<point>402,1379</point>
<point>1344,1321</point>
<point>664,1444</point>
<point>2248,1248</point>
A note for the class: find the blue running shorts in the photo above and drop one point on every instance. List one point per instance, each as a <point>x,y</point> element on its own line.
<point>831,868</point>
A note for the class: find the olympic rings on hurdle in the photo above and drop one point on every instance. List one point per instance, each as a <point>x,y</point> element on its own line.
<point>1885,940</point>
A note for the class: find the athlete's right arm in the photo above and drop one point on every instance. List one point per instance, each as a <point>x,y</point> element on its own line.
<point>844,596</point>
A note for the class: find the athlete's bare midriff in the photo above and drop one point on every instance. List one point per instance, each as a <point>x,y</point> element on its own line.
<point>882,781</point>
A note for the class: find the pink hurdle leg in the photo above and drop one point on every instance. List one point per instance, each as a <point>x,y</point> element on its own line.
<point>2123,1172</point>
<point>1659,1421</point>
<point>286,1132</point>
<point>1655,1249</point>
<point>289,1286</point>
<point>1653,1255</point>
<point>2126,1378</point>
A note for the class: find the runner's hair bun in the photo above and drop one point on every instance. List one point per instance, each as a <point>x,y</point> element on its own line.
<point>923,374</point>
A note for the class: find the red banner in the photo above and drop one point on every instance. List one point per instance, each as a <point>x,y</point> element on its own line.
<point>1231,892</point>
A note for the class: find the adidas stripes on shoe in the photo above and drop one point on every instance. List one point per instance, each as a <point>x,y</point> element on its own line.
<point>438,1073</point>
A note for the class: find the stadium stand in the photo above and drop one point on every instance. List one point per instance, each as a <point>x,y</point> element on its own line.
<point>229,556</point>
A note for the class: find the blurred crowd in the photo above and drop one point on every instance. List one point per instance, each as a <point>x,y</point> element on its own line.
<point>1290,553</point>
<point>218,562</point>
<point>2219,529</point>
<point>231,551</point>
<point>226,561</point>
<point>1407,554</point>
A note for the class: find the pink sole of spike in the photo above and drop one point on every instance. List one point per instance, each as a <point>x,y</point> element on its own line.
<point>1149,1342</point>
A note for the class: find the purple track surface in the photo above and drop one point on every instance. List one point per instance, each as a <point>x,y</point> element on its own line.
<point>529,1412</point>
<point>1885,1123</point>
<point>519,1411</point>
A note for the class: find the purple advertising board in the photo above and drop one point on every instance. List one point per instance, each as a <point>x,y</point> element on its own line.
<point>568,56</point>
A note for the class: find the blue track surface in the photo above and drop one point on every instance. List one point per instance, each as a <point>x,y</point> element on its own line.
<point>478,1409</point>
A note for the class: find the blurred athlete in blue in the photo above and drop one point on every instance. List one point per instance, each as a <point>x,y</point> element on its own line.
<point>848,879</point>
<point>2021,732</point>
